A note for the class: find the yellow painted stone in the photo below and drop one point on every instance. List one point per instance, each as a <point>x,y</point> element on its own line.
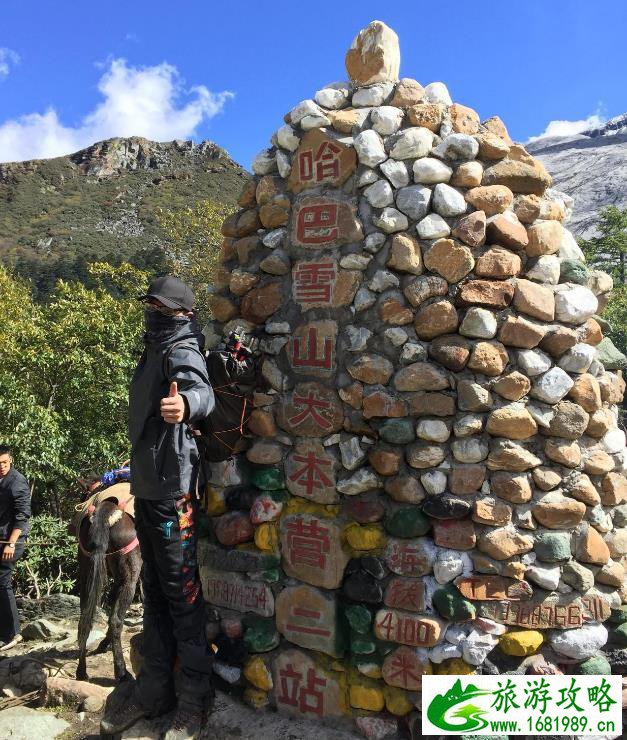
<point>361,696</point>
<point>521,642</point>
<point>267,537</point>
<point>338,666</point>
<point>366,537</point>
<point>396,701</point>
<point>297,505</point>
<point>258,674</point>
<point>371,670</point>
<point>453,667</point>
<point>214,503</point>
<point>256,698</point>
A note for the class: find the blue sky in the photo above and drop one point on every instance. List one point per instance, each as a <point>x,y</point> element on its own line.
<point>72,72</point>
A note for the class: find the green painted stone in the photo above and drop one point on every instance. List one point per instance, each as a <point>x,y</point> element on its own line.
<point>260,635</point>
<point>407,521</point>
<point>359,617</point>
<point>610,356</point>
<point>271,576</point>
<point>385,648</point>
<point>618,616</point>
<point>397,431</point>
<point>552,547</point>
<point>361,645</point>
<point>452,605</point>
<point>268,479</point>
<point>595,666</point>
<point>574,271</point>
<point>618,636</point>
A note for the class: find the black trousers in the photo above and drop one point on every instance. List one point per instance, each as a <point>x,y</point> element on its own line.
<point>174,611</point>
<point>9,617</point>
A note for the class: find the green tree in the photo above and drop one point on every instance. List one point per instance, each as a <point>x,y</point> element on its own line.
<point>193,245</point>
<point>608,252</point>
<point>64,372</point>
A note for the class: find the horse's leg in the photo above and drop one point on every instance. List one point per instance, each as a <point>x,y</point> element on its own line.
<point>83,581</point>
<point>105,643</point>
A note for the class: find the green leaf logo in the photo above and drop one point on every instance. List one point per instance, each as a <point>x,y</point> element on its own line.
<point>439,710</point>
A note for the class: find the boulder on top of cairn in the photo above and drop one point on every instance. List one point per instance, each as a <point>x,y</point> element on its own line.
<point>434,465</point>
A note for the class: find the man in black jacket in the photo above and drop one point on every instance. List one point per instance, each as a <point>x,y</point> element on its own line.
<point>170,388</point>
<point>14,516</point>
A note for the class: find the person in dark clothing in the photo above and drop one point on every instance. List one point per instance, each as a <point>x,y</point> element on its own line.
<point>169,390</point>
<point>14,518</point>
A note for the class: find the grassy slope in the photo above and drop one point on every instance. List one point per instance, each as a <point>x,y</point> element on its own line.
<point>100,204</point>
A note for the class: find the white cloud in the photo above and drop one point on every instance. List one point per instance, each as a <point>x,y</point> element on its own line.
<point>147,101</point>
<point>8,59</point>
<point>570,128</point>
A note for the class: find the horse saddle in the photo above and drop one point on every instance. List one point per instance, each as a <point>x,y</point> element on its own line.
<point>119,493</point>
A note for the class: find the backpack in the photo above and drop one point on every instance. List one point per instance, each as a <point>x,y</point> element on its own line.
<point>232,372</point>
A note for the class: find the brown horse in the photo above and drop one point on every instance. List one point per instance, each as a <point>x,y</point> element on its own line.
<point>107,546</point>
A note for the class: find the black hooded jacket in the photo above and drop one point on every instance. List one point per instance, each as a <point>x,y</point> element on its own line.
<point>164,457</point>
<point>14,504</point>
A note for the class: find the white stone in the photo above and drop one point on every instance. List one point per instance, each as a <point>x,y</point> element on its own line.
<point>355,261</point>
<point>379,194</point>
<point>447,201</point>
<point>456,634</point>
<point>437,92</point>
<point>24,723</point>
<point>364,299</point>
<point>533,362</point>
<point>287,138</point>
<point>390,220</point>
<point>411,143</point>
<point>274,239</point>
<point>413,201</point>
<point>283,163</point>
<point>433,430</point>
<point>396,172</point>
<point>396,336</point>
<point>547,576</point>
<point>479,323</point>
<point>489,626</point>
<point>369,148</point>
<point>614,441</point>
<point>332,97</point>
<point>305,108</point>
<point>569,249</point>
<point>468,425</point>
<point>578,358</point>
<point>264,162</point>
<point>574,304</point>
<point>357,337</point>
<point>470,450</point>
<point>552,386</point>
<point>309,122</point>
<point>229,673</point>
<point>365,479</point>
<point>580,643</point>
<point>600,282</point>
<point>596,368</point>
<point>432,226</point>
<point>383,280</point>
<point>412,352</point>
<point>351,453</point>
<point>366,177</point>
<point>546,269</point>
<point>542,415</point>
<point>444,651</point>
<point>434,482</point>
<point>386,119</point>
<point>373,242</point>
<point>277,327</point>
<point>477,646</point>
<point>599,519</point>
<point>429,171</point>
<point>457,147</point>
<point>448,565</point>
<point>373,96</point>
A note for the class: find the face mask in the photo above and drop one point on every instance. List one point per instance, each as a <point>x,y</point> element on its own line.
<point>161,327</point>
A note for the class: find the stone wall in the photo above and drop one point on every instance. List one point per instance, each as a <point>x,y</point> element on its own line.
<point>434,479</point>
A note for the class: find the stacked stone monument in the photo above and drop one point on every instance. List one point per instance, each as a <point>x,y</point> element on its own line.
<point>433,481</point>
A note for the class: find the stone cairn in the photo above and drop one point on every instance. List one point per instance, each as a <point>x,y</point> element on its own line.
<point>434,480</point>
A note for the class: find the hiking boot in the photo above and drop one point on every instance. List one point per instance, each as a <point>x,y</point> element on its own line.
<point>10,643</point>
<point>122,712</point>
<point>186,723</point>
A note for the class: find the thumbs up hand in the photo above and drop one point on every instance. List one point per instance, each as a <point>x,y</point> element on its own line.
<point>173,406</point>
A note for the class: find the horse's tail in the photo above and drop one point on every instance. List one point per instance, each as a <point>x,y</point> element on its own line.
<point>99,530</point>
